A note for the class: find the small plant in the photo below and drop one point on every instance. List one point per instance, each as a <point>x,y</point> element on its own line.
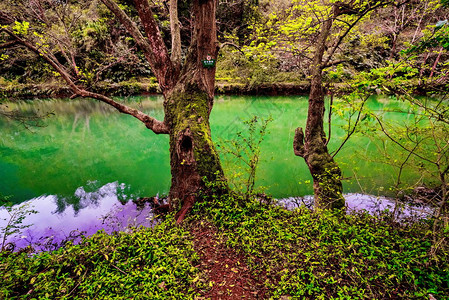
<point>328,255</point>
<point>14,223</point>
<point>246,148</point>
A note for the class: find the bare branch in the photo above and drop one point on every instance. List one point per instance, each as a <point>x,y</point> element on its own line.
<point>222,45</point>
<point>341,37</point>
<point>175,35</point>
<point>162,64</point>
<point>362,13</point>
<point>353,128</point>
<point>333,63</point>
<point>8,44</point>
<point>329,119</point>
<point>399,144</point>
<point>154,50</point>
<point>5,18</point>
<point>156,126</point>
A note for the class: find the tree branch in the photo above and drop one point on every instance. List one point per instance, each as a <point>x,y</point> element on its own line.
<point>333,63</point>
<point>156,126</point>
<point>5,19</point>
<point>222,45</point>
<point>341,37</point>
<point>399,144</point>
<point>175,35</point>
<point>152,48</point>
<point>8,44</point>
<point>162,64</point>
<point>353,128</point>
<point>329,119</point>
<point>338,11</point>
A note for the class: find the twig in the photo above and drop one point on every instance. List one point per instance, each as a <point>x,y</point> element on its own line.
<point>353,128</point>
<point>329,119</point>
<point>120,270</point>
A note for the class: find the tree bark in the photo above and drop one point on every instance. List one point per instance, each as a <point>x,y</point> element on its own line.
<point>175,29</point>
<point>311,146</point>
<point>188,92</point>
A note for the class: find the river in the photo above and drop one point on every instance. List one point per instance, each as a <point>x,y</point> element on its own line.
<point>88,159</point>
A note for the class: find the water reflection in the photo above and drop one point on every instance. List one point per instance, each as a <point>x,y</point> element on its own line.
<point>61,218</point>
<point>374,205</point>
<point>58,221</point>
<point>91,196</point>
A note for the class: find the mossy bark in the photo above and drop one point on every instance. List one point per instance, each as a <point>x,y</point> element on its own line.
<point>312,147</point>
<point>188,90</point>
<point>194,161</point>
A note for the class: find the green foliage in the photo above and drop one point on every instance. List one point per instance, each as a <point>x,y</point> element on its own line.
<point>251,70</point>
<point>438,37</point>
<point>305,255</point>
<point>395,77</point>
<point>21,28</point>
<point>83,36</point>
<point>151,263</point>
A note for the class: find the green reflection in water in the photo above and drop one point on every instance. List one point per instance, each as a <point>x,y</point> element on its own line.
<point>87,142</point>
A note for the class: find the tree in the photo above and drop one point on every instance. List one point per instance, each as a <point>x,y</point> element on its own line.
<point>425,142</point>
<point>187,87</point>
<point>318,34</point>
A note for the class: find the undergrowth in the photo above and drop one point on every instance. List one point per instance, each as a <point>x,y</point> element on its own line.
<point>330,255</point>
<point>297,254</point>
<point>151,263</point>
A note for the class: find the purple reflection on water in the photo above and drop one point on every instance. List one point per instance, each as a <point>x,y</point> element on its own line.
<point>100,209</point>
<point>372,204</point>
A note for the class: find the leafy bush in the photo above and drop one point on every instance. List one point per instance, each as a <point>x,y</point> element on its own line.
<point>150,263</point>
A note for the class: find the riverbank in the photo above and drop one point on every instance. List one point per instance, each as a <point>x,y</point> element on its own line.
<point>133,88</point>
<point>234,248</point>
<point>19,91</point>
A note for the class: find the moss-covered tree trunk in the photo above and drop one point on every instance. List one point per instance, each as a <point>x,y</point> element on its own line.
<point>312,146</point>
<point>194,161</point>
<point>188,89</point>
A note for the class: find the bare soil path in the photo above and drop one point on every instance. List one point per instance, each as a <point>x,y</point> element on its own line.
<point>228,275</point>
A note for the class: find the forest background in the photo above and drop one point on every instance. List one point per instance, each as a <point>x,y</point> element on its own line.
<point>261,49</point>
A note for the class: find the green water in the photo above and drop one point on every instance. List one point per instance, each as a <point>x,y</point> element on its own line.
<point>86,143</point>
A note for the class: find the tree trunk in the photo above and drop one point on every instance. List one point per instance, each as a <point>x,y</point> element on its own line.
<point>326,174</point>
<point>188,91</point>
<point>311,146</point>
<point>194,161</point>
